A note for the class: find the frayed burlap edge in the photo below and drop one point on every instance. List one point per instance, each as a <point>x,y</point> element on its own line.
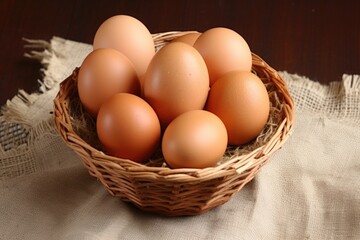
<point>24,119</point>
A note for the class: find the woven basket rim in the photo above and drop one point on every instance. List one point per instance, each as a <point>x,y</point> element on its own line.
<point>161,170</point>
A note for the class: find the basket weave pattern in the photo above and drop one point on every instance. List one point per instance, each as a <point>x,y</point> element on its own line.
<point>156,187</point>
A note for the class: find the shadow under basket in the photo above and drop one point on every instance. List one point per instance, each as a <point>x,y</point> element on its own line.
<point>153,186</point>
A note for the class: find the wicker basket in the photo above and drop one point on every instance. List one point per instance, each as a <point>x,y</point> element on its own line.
<point>155,187</point>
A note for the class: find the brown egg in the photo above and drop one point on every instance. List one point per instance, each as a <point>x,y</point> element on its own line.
<point>103,73</point>
<point>176,81</point>
<point>223,50</point>
<point>188,38</point>
<point>128,127</point>
<point>195,139</point>
<point>241,101</point>
<point>129,36</point>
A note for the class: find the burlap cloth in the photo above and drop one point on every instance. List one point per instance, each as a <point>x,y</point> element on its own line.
<point>310,189</point>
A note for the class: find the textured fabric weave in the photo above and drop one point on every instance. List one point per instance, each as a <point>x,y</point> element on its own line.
<point>310,189</point>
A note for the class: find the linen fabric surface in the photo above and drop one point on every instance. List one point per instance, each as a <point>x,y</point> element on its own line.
<point>310,188</point>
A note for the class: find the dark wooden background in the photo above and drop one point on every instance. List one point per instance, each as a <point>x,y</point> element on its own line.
<point>318,39</point>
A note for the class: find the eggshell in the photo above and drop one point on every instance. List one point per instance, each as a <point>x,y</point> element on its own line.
<point>103,73</point>
<point>129,36</point>
<point>176,81</point>
<point>128,127</point>
<point>223,50</point>
<point>241,101</point>
<point>195,139</point>
<point>188,38</point>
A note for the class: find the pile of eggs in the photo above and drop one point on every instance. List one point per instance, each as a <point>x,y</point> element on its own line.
<point>192,98</point>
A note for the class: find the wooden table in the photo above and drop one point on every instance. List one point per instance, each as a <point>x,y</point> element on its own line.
<point>318,40</point>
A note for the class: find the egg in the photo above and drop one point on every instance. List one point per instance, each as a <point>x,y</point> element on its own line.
<point>241,101</point>
<point>223,50</point>
<point>188,38</point>
<point>129,36</point>
<point>128,127</point>
<point>195,139</point>
<point>176,81</point>
<point>103,73</point>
